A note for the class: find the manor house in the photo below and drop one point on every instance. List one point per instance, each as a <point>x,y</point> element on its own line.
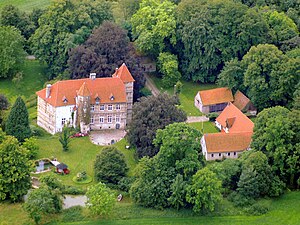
<point>90,104</point>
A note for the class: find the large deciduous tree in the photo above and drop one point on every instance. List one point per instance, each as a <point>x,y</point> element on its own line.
<point>213,32</point>
<point>17,123</point>
<point>153,26</point>
<point>101,199</point>
<point>12,52</point>
<point>105,50</point>
<point>146,121</point>
<point>63,26</point>
<point>14,170</point>
<point>276,133</point>
<point>110,165</point>
<point>205,191</point>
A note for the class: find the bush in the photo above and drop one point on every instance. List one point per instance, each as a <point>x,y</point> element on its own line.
<point>145,92</point>
<point>72,214</point>
<point>37,131</point>
<point>71,190</point>
<point>125,183</point>
<point>257,209</point>
<point>240,200</point>
<point>212,116</point>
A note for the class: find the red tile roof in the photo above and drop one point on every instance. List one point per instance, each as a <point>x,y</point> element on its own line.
<point>216,96</point>
<point>101,87</point>
<point>231,142</point>
<point>240,100</point>
<point>124,74</point>
<point>241,123</point>
<point>84,91</point>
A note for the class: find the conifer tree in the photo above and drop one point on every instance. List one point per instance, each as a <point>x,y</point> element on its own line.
<point>17,123</point>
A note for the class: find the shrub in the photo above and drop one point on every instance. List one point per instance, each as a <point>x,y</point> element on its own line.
<point>212,116</point>
<point>37,131</point>
<point>257,209</point>
<point>72,214</point>
<point>125,183</point>
<point>72,190</point>
<point>240,200</point>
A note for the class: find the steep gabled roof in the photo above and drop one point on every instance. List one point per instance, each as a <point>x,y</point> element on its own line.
<point>216,96</point>
<point>240,123</point>
<point>124,74</point>
<point>241,100</point>
<point>99,87</point>
<point>231,142</point>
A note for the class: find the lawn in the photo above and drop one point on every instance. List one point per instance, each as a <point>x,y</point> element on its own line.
<point>208,127</point>
<point>81,155</point>
<point>187,95</point>
<point>26,5</point>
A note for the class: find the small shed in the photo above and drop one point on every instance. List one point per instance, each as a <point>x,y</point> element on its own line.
<point>62,168</point>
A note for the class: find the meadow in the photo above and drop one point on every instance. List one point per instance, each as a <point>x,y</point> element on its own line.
<point>26,5</point>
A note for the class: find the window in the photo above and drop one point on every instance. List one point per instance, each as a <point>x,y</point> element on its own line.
<point>234,153</point>
<point>102,107</point>
<point>92,120</point>
<point>118,107</point>
<point>92,107</point>
<point>97,100</point>
<point>63,121</point>
<point>212,155</point>
<point>228,154</point>
<point>101,119</point>
<point>109,107</point>
<point>117,119</point>
<point>219,154</point>
<point>109,119</point>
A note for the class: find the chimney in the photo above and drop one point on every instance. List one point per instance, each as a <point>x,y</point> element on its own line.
<point>93,76</point>
<point>48,89</point>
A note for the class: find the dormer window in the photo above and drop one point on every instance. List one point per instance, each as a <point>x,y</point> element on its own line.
<point>112,97</point>
<point>65,100</point>
<point>97,100</point>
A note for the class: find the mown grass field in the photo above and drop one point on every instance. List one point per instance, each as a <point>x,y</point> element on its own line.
<point>26,5</point>
<point>187,95</point>
<point>208,127</point>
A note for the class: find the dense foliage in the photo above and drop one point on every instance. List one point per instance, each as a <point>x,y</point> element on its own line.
<point>63,26</point>
<point>11,48</point>
<point>14,169</point>
<point>17,123</point>
<point>105,50</point>
<point>146,121</point>
<point>101,200</point>
<point>110,165</point>
<point>162,180</point>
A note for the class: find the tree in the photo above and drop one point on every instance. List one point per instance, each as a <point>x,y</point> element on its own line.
<point>276,134</point>
<point>39,203</point>
<point>64,25</point>
<point>178,189</point>
<point>205,190</point>
<point>213,32</point>
<point>146,121</point>
<point>3,102</point>
<point>168,67</point>
<point>15,170</point>
<point>17,123</point>
<point>256,175</point>
<point>64,138</point>
<point>153,26</point>
<point>31,145</point>
<point>11,48</point>
<point>100,199</point>
<point>110,165</point>
<point>105,50</point>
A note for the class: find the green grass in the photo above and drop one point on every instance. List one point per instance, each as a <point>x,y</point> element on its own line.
<point>187,95</point>
<point>208,127</point>
<point>80,157</point>
<point>26,5</point>
<point>284,210</point>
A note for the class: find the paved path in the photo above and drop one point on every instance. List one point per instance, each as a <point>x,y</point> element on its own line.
<point>194,119</point>
<point>106,137</point>
<point>151,86</point>
<point>70,201</point>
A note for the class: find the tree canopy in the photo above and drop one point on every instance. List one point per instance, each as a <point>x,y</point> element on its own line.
<point>146,121</point>
<point>15,169</point>
<point>153,26</point>
<point>17,123</point>
<point>106,49</point>
<point>12,52</point>
<point>64,25</point>
<point>110,165</point>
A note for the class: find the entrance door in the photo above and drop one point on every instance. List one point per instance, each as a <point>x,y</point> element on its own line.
<point>117,126</point>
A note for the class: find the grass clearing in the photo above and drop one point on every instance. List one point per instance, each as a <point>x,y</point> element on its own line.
<point>26,5</point>
<point>80,157</point>
<point>187,95</point>
<point>208,127</point>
